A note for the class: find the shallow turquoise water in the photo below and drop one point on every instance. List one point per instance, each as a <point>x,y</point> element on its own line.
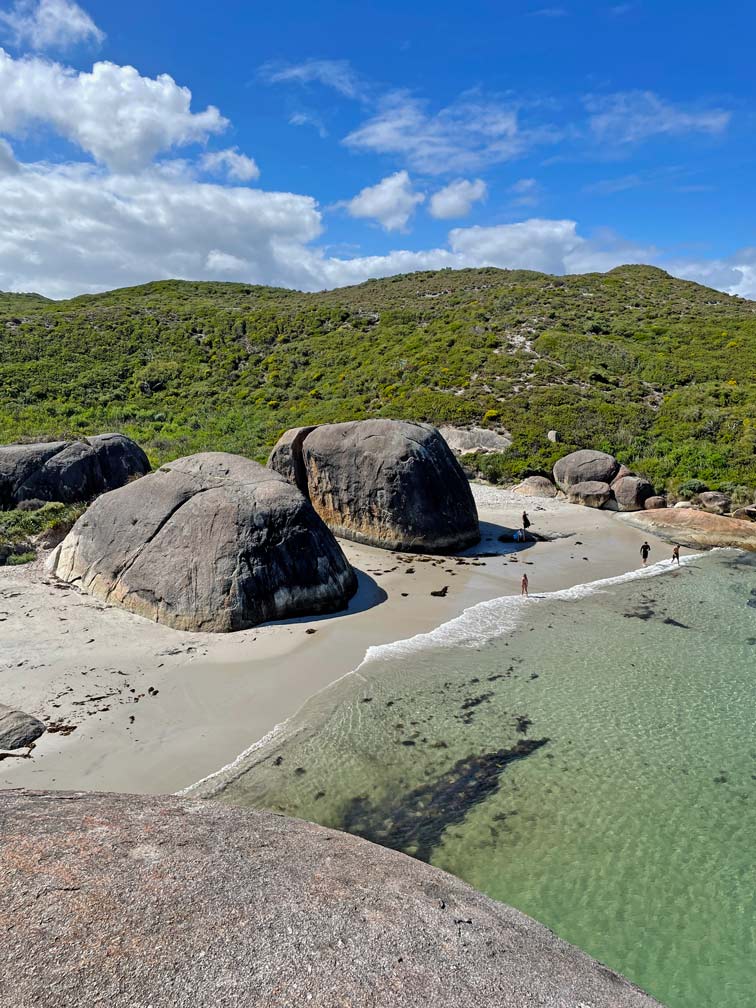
<point>630,832</point>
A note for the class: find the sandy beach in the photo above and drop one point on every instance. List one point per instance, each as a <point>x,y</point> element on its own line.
<point>137,707</point>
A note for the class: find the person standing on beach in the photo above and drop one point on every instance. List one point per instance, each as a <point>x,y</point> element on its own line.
<point>676,555</point>
<point>644,551</point>
<point>525,521</point>
<point>524,585</point>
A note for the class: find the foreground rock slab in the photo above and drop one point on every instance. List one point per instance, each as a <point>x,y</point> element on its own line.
<point>386,483</point>
<point>691,527</point>
<point>136,901</point>
<point>68,471</point>
<point>17,729</point>
<point>210,542</point>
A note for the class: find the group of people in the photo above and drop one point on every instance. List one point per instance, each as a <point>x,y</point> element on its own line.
<point>645,552</point>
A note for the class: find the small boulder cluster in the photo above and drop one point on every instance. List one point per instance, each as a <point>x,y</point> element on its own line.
<point>594,479</point>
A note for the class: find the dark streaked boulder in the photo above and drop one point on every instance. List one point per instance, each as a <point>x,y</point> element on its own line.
<point>210,542</point>
<point>716,503</point>
<point>389,483</point>
<point>161,901</point>
<point>68,471</point>
<point>585,466</point>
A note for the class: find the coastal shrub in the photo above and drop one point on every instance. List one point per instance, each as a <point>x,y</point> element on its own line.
<point>656,370</point>
<point>17,559</point>
<point>690,488</point>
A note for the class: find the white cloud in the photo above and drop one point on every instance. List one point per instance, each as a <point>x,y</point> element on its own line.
<point>8,163</point>
<point>735,274</point>
<point>74,228</point>
<point>632,116</point>
<point>335,74</point>
<point>391,202</point>
<point>470,133</point>
<point>121,118</point>
<point>457,198</point>
<point>235,165</point>
<point>525,192</point>
<point>309,119</point>
<point>49,24</point>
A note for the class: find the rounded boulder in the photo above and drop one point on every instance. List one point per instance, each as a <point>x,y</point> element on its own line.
<point>631,492</point>
<point>536,486</point>
<point>585,466</point>
<point>212,542</point>
<point>133,901</point>
<point>390,483</point>
<point>593,494</point>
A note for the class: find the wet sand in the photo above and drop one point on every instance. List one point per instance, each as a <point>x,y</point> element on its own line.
<point>137,707</point>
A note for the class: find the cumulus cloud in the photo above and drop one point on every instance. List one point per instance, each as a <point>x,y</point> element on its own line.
<point>735,274</point>
<point>235,165</point>
<point>335,74</point>
<point>49,24</point>
<point>391,202</point>
<point>119,117</point>
<point>75,228</point>
<point>8,163</point>
<point>456,199</point>
<point>633,116</point>
<point>470,133</point>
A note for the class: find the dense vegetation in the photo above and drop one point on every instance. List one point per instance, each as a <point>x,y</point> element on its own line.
<point>658,370</point>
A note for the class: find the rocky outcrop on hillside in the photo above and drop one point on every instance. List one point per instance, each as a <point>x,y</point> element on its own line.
<point>463,440</point>
<point>68,471</point>
<point>210,542</point>
<point>386,483</point>
<point>692,527</point>
<point>136,900</point>
<point>17,729</point>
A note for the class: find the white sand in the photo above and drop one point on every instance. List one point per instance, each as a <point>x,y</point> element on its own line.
<point>71,660</point>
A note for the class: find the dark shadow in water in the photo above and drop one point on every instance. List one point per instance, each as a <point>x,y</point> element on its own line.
<point>368,595</point>
<point>415,822</point>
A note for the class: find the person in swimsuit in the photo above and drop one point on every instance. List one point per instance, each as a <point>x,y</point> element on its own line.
<point>644,551</point>
<point>524,585</point>
<point>676,555</point>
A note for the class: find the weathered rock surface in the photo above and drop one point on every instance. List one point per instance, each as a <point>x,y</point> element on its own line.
<point>654,503</point>
<point>210,542</point>
<point>142,901</point>
<point>586,466</point>
<point>745,514</point>
<point>68,471</point>
<point>694,528</point>
<point>536,486</point>
<point>631,492</point>
<point>593,494</point>
<point>286,457</point>
<point>716,503</point>
<point>17,729</point>
<point>462,440</point>
<point>390,483</point>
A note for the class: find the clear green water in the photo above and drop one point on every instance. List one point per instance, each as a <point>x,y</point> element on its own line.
<point>631,832</point>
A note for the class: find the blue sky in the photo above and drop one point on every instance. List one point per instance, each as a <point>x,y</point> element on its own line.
<point>314,145</point>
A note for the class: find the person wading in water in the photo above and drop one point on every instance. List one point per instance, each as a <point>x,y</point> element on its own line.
<point>644,551</point>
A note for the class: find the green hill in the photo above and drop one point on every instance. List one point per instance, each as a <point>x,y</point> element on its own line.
<point>658,370</point>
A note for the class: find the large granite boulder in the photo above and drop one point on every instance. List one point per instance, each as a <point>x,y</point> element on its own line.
<point>286,457</point>
<point>654,503</point>
<point>17,729</point>
<point>536,486</point>
<point>716,503</point>
<point>210,542</point>
<point>586,466</point>
<point>590,494</point>
<point>388,483</point>
<point>695,528</point>
<point>136,901</point>
<point>68,471</point>
<point>631,492</point>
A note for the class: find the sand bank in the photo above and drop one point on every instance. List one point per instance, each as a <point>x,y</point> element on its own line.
<point>142,708</point>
